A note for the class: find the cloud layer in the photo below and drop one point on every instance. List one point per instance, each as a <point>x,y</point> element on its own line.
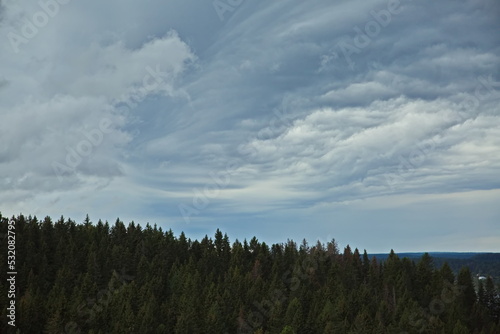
<point>377,124</point>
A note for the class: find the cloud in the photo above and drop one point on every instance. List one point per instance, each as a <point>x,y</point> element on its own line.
<point>389,146</point>
<point>150,100</point>
<point>74,124</point>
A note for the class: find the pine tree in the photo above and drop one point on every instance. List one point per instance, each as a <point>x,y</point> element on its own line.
<point>447,273</point>
<point>424,277</point>
<point>492,300</point>
<point>288,330</point>
<point>294,315</point>
<point>467,297</point>
<point>460,328</point>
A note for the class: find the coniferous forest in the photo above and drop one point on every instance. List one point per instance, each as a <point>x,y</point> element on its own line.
<point>116,278</point>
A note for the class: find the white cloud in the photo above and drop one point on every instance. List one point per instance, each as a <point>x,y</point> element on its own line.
<point>68,119</point>
<point>414,142</point>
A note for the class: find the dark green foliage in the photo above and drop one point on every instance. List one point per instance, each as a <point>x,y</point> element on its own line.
<point>93,278</point>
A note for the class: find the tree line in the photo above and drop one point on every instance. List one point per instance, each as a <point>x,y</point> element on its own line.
<point>100,278</point>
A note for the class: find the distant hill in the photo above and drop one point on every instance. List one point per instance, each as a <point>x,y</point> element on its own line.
<point>479,263</point>
<point>444,255</point>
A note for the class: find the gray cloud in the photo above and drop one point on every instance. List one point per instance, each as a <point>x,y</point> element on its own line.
<point>315,123</point>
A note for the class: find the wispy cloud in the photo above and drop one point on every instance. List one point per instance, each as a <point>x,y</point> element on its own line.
<point>144,109</point>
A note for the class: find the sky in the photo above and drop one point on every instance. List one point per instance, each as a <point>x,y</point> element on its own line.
<point>372,123</point>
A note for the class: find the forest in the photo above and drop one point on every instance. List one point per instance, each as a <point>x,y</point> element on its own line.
<point>96,277</point>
